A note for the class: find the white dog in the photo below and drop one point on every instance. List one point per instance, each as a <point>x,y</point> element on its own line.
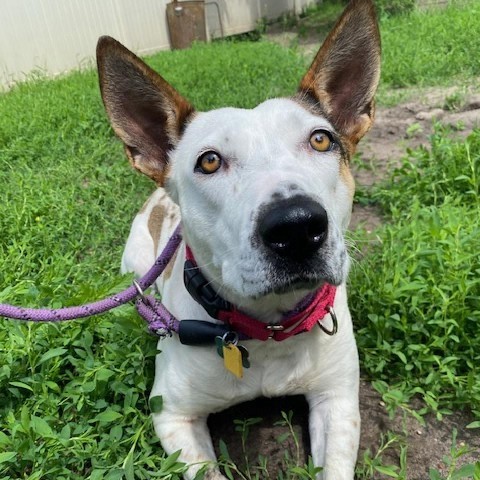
<point>264,197</point>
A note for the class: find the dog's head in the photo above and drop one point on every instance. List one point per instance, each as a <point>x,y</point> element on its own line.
<point>265,194</point>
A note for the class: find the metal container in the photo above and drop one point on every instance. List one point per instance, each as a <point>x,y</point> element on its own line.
<point>186,22</point>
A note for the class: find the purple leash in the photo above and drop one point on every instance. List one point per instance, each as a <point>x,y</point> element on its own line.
<point>159,319</point>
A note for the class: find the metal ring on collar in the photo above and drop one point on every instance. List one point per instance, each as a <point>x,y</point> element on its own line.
<point>334,329</point>
<point>230,338</point>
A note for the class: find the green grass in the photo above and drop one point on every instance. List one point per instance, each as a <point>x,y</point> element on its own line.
<point>417,295</point>
<point>437,51</point>
<point>437,47</point>
<point>240,74</point>
<point>74,397</point>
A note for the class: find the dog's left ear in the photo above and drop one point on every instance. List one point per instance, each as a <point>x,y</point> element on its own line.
<point>344,75</point>
<point>146,112</point>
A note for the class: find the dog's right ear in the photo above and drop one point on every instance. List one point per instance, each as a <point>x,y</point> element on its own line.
<point>146,112</point>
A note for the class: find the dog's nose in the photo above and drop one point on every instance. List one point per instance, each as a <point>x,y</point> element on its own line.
<point>294,228</point>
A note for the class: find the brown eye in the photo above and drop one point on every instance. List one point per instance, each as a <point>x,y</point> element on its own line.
<point>208,163</point>
<point>321,141</point>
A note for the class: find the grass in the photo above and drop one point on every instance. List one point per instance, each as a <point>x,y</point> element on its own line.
<point>419,312</point>
<point>68,198</point>
<point>431,48</point>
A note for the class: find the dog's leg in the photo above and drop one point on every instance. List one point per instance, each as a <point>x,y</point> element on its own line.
<point>191,436</point>
<point>334,434</point>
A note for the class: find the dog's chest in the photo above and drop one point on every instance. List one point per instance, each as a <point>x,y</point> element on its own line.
<point>289,367</point>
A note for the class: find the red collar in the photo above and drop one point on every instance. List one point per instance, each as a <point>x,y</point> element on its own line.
<point>302,319</point>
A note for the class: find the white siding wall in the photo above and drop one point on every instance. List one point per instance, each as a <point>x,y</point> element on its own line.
<point>57,35</point>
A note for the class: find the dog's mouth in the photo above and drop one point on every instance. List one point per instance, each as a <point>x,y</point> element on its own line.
<point>273,275</point>
<point>294,285</point>
<point>284,282</point>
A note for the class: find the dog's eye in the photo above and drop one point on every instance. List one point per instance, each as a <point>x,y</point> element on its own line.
<point>208,163</point>
<point>321,141</point>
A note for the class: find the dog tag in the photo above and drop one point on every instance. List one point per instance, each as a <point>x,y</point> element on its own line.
<point>229,351</point>
<point>232,359</point>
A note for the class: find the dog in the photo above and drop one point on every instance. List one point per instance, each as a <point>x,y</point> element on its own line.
<point>264,197</point>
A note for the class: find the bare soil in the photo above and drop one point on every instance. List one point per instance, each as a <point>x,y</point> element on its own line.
<point>406,125</point>
<point>427,444</point>
<point>409,125</point>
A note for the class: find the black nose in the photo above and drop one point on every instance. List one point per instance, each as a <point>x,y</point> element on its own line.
<point>294,228</point>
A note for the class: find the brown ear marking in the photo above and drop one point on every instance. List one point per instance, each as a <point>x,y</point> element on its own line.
<point>344,75</point>
<point>145,111</point>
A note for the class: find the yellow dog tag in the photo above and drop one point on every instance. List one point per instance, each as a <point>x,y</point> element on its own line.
<point>232,359</point>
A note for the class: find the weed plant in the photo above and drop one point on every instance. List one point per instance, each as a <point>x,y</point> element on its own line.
<point>416,297</point>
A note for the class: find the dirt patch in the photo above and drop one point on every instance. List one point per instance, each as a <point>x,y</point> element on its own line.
<point>410,124</point>
<point>407,125</point>
<point>426,444</point>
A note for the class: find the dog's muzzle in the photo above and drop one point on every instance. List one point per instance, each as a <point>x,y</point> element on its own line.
<point>294,228</point>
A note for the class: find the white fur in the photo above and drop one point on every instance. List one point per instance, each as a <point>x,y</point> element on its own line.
<point>266,150</point>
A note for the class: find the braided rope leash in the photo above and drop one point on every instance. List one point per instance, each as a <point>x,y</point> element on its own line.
<point>159,319</point>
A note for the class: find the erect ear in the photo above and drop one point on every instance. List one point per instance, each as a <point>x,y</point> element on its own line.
<point>344,75</point>
<point>146,112</point>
